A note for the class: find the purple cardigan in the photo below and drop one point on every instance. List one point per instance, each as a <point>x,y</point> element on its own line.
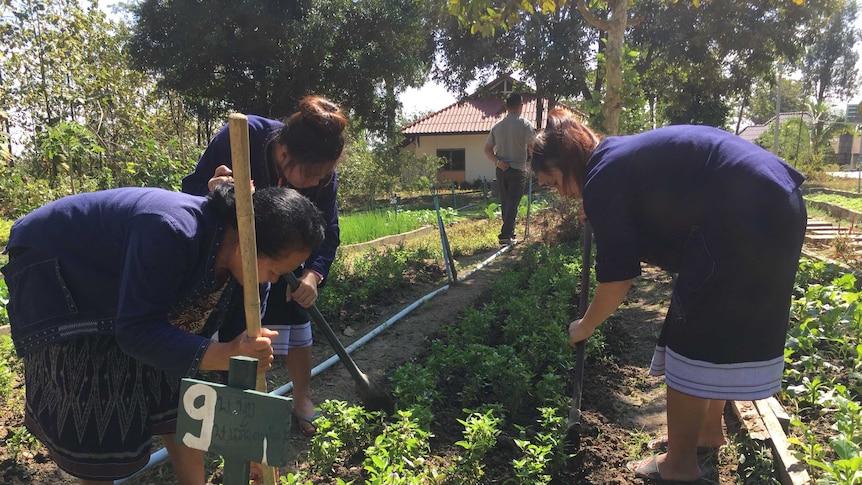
<point>116,262</point>
<point>261,132</point>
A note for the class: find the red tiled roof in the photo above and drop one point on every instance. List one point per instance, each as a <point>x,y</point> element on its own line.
<point>472,115</point>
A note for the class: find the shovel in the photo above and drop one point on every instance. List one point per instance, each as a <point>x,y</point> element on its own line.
<point>573,430</point>
<point>373,397</point>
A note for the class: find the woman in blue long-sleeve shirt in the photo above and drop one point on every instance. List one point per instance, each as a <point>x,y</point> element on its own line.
<point>113,296</point>
<point>301,153</point>
<point>726,216</point>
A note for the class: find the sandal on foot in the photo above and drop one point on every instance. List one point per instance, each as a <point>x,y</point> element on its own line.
<point>647,469</point>
<point>660,445</point>
<point>309,420</point>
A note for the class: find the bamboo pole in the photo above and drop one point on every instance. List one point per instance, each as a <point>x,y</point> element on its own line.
<point>241,162</point>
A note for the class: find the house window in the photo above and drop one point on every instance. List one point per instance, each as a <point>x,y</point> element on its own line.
<point>455,158</point>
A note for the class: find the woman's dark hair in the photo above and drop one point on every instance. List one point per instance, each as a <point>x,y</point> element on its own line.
<point>565,145</point>
<point>284,220</point>
<point>314,134</point>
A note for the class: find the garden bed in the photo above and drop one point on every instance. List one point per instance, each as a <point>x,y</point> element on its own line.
<point>622,405</point>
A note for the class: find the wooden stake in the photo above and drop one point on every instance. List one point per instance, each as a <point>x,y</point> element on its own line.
<point>241,162</point>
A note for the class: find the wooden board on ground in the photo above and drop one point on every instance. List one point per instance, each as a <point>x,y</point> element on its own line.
<point>779,411</point>
<point>747,413</point>
<point>790,470</point>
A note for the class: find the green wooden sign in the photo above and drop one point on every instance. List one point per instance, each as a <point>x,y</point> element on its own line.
<point>244,425</point>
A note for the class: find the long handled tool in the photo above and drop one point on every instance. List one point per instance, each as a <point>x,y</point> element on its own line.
<point>240,159</point>
<point>573,430</point>
<point>372,396</point>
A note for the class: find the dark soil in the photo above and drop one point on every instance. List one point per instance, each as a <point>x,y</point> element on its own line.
<point>621,403</point>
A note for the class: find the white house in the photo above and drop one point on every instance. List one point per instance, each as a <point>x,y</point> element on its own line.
<point>459,131</point>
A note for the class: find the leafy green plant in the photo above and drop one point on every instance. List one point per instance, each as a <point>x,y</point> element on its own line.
<point>4,300</point>
<point>10,366</point>
<point>341,431</point>
<point>530,468</point>
<point>19,440</point>
<point>414,384</point>
<point>493,211</point>
<point>756,465</point>
<point>398,455</point>
<point>480,435</point>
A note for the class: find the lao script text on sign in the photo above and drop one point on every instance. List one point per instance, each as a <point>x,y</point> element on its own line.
<point>242,424</point>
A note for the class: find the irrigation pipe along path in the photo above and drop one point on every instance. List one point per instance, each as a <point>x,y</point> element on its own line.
<point>161,455</point>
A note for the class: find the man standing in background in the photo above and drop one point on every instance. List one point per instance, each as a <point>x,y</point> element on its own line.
<point>507,147</point>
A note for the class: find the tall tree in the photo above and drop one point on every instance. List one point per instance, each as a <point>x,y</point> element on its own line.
<point>829,66</point>
<point>696,59</point>
<point>548,48</point>
<point>610,16</point>
<point>262,56</point>
<point>761,103</point>
<point>76,106</point>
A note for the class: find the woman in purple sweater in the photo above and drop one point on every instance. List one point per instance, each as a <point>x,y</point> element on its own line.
<point>113,298</point>
<point>302,153</point>
<point>726,216</point>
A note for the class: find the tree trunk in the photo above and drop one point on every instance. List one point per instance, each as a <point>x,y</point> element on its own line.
<point>540,109</point>
<point>613,102</point>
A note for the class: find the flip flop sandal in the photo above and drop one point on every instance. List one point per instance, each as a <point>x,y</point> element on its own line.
<point>647,469</point>
<point>660,445</point>
<point>310,420</point>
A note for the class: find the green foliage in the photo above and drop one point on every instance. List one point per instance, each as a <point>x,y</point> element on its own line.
<point>4,300</point>
<point>480,435</point>
<point>805,144</point>
<point>762,100</point>
<point>493,210</point>
<point>84,120</point>
<point>370,276</point>
<point>852,203</point>
<point>366,226</point>
<point>24,193</point>
<point>756,464</point>
<point>70,150</point>
<point>10,366</point>
<point>822,373</point>
<point>830,64</point>
<point>341,429</point>
<point>413,385</point>
<point>398,454</point>
<point>263,56</point>
<point>19,440</point>
<point>544,455</point>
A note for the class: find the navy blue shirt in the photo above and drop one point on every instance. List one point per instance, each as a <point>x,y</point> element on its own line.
<point>644,193</point>
<point>115,262</point>
<point>261,132</point>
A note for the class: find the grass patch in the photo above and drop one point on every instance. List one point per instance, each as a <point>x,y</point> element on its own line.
<point>367,226</point>
<point>852,203</point>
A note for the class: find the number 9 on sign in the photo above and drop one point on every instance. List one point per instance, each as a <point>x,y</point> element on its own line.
<point>205,413</point>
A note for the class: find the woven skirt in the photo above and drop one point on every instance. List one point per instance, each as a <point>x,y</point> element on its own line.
<point>95,408</point>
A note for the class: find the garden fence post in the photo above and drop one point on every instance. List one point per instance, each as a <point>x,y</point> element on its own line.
<point>444,242</point>
<point>529,205</point>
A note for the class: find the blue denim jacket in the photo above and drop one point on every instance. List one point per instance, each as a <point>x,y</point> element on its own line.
<point>116,262</point>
